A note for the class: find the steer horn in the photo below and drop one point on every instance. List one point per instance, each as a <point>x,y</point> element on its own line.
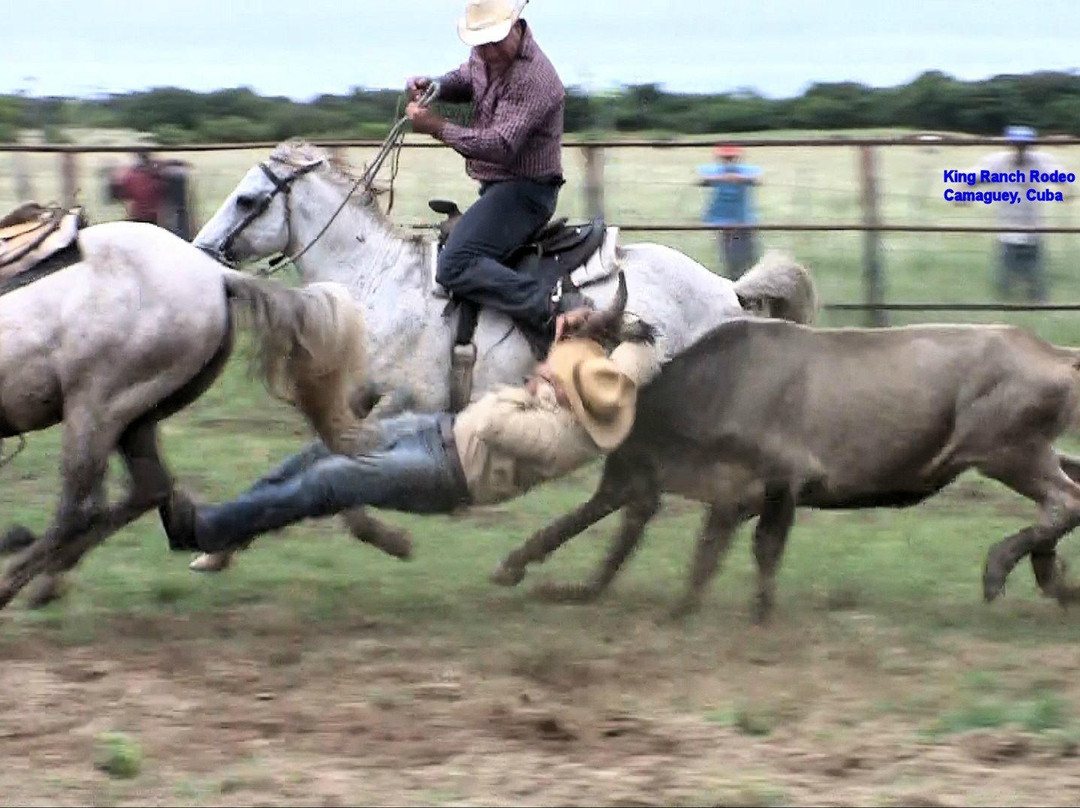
<point>604,326</point>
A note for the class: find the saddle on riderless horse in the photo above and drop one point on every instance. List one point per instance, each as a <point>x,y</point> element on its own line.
<point>36,241</point>
<point>564,257</point>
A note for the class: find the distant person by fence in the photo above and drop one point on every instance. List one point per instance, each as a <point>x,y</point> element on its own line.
<point>731,202</point>
<point>1020,256</point>
<point>155,191</point>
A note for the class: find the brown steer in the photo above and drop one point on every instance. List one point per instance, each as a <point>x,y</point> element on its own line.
<point>786,415</point>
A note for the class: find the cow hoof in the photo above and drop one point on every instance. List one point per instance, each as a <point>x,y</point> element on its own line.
<point>993,581</point>
<point>17,538</point>
<point>45,590</point>
<point>211,562</point>
<point>507,575</point>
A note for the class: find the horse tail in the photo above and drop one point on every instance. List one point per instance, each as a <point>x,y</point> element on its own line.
<point>309,350</point>
<point>780,287</point>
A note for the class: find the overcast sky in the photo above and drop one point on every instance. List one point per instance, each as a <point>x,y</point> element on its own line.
<point>302,49</point>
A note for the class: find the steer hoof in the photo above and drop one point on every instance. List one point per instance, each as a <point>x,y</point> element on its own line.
<point>993,580</point>
<point>506,575</point>
<point>211,562</point>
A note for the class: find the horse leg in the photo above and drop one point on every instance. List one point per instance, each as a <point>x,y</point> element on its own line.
<point>718,529</point>
<point>366,528</point>
<point>87,443</point>
<point>1039,476</point>
<point>770,539</point>
<point>636,515</point>
<point>511,570</point>
<point>150,486</point>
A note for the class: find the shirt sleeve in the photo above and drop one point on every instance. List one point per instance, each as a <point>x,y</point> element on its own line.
<point>518,114</point>
<point>456,86</point>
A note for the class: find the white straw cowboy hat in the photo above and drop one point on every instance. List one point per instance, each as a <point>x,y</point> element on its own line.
<point>602,397</point>
<point>486,21</point>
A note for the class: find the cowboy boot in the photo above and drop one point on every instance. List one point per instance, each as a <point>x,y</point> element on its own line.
<point>235,524</point>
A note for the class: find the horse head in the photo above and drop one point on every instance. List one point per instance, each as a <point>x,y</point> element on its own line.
<point>254,221</point>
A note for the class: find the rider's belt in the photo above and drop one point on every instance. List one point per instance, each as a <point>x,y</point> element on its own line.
<point>462,497</point>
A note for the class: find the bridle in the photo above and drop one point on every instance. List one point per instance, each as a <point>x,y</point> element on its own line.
<point>283,186</point>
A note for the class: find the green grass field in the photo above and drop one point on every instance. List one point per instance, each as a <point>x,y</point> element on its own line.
<point>317,671</point>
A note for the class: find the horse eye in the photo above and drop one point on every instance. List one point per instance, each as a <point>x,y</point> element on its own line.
<point>245,201</point>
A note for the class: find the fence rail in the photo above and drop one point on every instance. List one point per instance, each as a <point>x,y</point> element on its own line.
<point>866,151</point>
<point>767,143</point>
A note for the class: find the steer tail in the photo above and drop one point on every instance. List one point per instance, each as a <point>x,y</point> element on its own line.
<point>309,350</point>
<point>779,287</point>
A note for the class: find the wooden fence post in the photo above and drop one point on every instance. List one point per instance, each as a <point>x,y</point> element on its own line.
<point>594,181</point>
<point>874,292</point>
<point>24,191</point>
<point>69,178</point>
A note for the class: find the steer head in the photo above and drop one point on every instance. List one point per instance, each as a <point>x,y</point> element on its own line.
<point>609,326</point>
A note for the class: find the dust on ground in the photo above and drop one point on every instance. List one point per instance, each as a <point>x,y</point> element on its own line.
<point>256,707</point>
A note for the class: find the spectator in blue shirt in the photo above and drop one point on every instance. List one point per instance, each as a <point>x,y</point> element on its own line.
<point>731,202</point>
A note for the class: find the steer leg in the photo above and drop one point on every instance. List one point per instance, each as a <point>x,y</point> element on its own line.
<point>511,570</point>
<point>717,531</point>
<point>1039,477</point>
<point>636,516</point>
<point>770,539</point>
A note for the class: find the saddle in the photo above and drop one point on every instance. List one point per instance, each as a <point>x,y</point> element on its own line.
<point>558,254</point>
<point>36,241</point>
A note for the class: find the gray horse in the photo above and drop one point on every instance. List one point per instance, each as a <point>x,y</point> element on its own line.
<point>284,205</point>
<point>131,334</point>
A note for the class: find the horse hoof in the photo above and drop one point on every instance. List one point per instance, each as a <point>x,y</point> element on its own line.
<point>211,562</point>
<point>506,575</point>
<point>17,538</point>
<point>45,590</point>
<point>396,543</point>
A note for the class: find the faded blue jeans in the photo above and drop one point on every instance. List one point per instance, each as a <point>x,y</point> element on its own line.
<point>414,469</point>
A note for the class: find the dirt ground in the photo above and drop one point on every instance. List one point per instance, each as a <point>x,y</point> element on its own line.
<point>263,712</point>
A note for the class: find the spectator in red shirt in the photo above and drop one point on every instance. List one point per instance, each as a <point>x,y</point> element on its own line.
<point>513,148</point>
<point>142,188</point>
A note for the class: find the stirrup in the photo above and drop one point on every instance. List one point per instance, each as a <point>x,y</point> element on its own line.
<point>462,362</point>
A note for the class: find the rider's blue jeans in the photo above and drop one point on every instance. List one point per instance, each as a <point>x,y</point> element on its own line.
<point>415,469</point>
<point>501,220</point>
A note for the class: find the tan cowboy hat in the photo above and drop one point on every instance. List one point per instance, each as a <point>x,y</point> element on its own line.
<point>601,396</point>
<point>486,21</point>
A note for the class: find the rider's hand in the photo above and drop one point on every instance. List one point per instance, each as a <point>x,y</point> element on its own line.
<point>416,87</point>
<point>571,320</point>
<point>424,121</point>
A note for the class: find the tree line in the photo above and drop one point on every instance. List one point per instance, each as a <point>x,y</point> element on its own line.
<point>1047,100</point>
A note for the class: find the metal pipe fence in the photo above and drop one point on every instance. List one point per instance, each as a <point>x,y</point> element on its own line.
<point>872,225</point>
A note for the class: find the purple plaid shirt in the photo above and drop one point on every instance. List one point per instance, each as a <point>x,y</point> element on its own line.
<point>518,122</point>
